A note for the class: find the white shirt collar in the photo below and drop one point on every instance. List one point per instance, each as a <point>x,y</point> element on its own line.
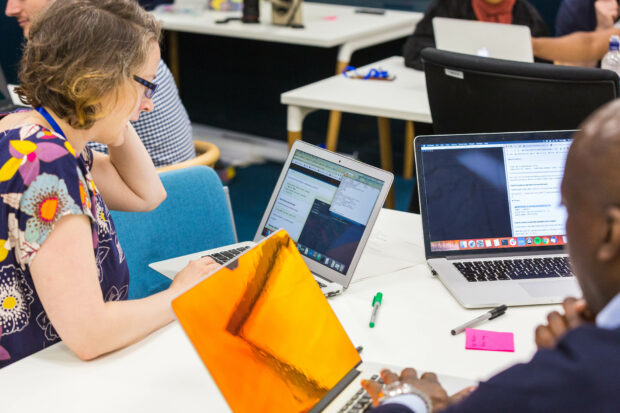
<point>609,317</point>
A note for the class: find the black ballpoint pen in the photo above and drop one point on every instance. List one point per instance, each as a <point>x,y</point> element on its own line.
<point>489,315</point>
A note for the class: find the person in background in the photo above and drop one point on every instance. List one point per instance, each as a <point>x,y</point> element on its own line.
<point>88,69</point>
<point>497,11</point>
<point>585,16</point>
<point>166,131</point>
<point>576,366</point>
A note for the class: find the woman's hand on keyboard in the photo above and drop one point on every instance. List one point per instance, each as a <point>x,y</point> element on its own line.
<point>194,271</point>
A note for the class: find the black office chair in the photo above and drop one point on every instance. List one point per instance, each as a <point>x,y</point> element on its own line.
<point>471,94</point>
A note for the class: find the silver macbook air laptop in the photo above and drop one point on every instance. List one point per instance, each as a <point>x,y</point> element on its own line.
<point>492,216</point>
<point>271,341</point>
<point>327,202</point>
<point>496,40</point>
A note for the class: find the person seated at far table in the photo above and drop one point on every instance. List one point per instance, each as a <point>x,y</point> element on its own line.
<point>496,11</point>
<point>585,16</point>
<point>576,366</point>
<point>63,273</point>
<point>166,131</point>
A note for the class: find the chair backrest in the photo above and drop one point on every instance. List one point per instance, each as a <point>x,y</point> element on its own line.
<point>194,217</point>
<point>206,154</point>
<point>471,94</point>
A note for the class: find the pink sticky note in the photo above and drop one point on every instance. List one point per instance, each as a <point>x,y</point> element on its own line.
<point>489,340</point>
<point>330,18</point>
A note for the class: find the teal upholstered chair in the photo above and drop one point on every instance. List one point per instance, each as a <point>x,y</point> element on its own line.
<point>195,216</point>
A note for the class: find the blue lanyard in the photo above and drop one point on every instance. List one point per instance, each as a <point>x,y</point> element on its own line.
<point>51,121</point>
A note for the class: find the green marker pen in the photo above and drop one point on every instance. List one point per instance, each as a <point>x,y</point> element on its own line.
<point>376,303</point>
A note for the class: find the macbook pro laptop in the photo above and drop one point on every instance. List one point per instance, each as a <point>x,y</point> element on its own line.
<point>496,40</point>
<point>271,341</point>
<point>492,217</point>
<point>327,202</point>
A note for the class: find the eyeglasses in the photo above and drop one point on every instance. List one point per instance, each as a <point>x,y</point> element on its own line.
<point>150,87</point>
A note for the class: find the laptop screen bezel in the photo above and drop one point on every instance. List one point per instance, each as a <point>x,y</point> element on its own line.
<point>476,138</point>
<point>346,162</point>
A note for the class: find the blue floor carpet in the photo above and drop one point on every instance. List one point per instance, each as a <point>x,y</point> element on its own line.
<point>251,189</point>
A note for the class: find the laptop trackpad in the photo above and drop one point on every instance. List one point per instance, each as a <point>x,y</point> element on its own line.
<point>557,288</point>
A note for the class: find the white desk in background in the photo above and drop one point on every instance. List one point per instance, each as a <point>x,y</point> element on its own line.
<point>403,98</point>
<point>163,373</point>
<point>325,25</point>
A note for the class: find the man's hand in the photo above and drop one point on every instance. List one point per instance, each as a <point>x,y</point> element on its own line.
<point>606,13</point>
<point>575,314</point>
<point>427,383</point>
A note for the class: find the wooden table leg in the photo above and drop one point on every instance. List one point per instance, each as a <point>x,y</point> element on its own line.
<point>408,150</point>
<point>333,127</point>
<point>385,148</point>
<point>173,45</point>
<point>292,137</point>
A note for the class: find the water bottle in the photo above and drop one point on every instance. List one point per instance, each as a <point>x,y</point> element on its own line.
<point>611,60</point>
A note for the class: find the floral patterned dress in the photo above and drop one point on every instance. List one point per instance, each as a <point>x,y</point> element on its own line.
<point>42,179</point>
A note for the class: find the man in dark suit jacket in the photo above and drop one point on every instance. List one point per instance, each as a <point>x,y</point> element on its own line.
<point>577,366</point>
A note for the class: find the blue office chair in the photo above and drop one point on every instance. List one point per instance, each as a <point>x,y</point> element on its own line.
<point>195,216</point>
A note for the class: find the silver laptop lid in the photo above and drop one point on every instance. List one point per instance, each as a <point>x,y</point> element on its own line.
<point>328,203</point>
<point>492,193</point>
<point>496,40</point>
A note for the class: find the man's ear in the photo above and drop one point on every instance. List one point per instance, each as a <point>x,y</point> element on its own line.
<point>610,245</point>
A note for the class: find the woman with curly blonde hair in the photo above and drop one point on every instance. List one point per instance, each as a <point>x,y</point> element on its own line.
<point>63,274</point>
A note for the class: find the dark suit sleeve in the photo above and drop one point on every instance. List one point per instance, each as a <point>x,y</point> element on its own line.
<point>579,375</point>
<point>391,408</point>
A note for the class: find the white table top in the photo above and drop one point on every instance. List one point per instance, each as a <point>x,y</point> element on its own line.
<point>325,25</point>
<point>163,373</point>
<point>404,98</point>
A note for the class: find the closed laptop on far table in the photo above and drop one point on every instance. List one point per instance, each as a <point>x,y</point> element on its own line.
<point>270,339</point>
<point>496,40</point>
<point>492,217</point>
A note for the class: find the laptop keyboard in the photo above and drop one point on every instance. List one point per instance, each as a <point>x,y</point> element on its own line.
<point>360,401</point>
<point>222,257</point>
<point>517,269</point>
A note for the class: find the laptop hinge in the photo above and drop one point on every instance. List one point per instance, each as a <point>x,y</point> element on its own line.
<point>336,390</point>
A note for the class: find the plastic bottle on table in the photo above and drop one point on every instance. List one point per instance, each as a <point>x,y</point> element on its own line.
<point>611,60</point>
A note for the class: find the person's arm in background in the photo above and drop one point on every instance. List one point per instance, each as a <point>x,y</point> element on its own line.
<point>575,47</point>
